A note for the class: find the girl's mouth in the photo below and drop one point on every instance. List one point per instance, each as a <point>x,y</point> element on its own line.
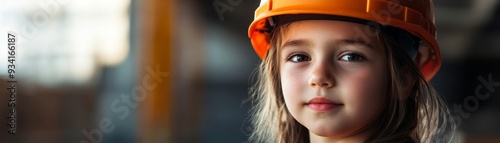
<point>322,104</point>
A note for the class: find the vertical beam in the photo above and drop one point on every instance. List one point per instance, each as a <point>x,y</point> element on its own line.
<point>155,21</point>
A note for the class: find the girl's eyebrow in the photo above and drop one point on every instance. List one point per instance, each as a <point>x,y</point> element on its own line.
<point>346,41</point>
<point>296,43</point>
<point>354,41</point>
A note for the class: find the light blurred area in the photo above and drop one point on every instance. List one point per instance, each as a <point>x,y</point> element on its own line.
<point>66,43</point>
<point>72,57</point>
<point>156,71</point>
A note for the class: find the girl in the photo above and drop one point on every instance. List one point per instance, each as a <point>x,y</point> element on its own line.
<point>347,71</point>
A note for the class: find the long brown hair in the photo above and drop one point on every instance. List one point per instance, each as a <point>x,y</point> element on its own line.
<point>414,111</point>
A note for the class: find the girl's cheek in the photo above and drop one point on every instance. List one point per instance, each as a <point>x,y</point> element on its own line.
<point>289,79</point>
<point>293,73</point>
<point>361,80</point>
<point>292,81</point>
<point>291,92</point>
<point>373,84</point>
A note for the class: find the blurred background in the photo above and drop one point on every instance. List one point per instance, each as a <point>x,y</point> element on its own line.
<point>150,71</point>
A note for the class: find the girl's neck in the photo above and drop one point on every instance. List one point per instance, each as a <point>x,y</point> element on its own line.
<point>359,137</point>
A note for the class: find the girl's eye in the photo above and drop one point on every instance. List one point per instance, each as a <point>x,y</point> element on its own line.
<point>352,57</point>
<point>298,58</point>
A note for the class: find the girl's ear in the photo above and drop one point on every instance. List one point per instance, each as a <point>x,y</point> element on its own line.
<point>423,54</point>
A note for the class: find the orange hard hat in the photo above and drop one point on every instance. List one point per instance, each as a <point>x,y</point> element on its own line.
<point>413,16</point>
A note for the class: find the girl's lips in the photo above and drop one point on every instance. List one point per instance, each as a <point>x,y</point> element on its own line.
<point>322,104</point>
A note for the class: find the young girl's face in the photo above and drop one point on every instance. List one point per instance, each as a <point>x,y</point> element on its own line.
<point>333,76</point>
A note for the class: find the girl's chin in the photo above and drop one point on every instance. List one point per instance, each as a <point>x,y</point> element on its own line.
<point>325,131</point>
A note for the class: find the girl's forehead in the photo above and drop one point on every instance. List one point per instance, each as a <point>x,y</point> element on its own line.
<point>335,25</point>
<point>328,29</point>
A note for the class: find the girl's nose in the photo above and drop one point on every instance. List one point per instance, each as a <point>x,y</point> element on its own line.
<point>322,76</point>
